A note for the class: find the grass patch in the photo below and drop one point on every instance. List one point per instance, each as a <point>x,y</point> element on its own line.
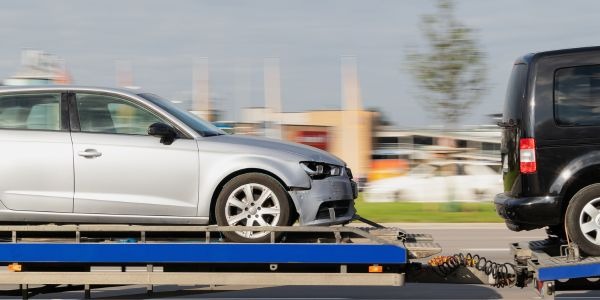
<point>418,212</point>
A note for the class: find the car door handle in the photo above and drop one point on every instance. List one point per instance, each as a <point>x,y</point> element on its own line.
<point>90,153</point>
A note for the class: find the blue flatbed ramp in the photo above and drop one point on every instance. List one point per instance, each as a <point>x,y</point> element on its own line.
<point>568,271</point>
<point>201,253</point>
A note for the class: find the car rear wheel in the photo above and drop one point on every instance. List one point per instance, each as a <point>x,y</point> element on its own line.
<point>583,219</point>
<point>252,200</point>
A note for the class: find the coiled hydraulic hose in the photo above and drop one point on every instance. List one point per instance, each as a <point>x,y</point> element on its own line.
<point>504,274</point>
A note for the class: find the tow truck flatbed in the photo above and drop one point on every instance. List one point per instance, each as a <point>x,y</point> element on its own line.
<point>88,255</point>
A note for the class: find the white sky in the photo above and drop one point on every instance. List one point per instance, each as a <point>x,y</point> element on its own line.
<point>162,38</point>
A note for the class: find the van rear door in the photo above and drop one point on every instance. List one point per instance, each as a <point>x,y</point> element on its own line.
<point>511,122</point>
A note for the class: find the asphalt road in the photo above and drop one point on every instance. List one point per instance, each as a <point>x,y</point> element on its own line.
<point>489,240</point>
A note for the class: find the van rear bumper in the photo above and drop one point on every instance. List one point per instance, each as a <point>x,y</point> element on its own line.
<point>528,212</point>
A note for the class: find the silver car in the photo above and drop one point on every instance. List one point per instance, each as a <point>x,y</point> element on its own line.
<point>96,155</point>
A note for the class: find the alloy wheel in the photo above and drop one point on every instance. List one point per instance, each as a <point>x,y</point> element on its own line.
<point>252,204</point>
<point>589,221</point>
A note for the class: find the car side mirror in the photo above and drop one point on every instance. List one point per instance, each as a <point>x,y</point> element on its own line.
<point>165,132</point>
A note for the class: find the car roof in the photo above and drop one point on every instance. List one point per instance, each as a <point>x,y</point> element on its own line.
<point>530,57</point>
<point>68,88</point>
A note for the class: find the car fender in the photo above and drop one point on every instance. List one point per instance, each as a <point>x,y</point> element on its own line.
<point>215,168</point>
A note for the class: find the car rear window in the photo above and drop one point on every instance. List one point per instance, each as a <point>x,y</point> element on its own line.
<point>577,96</point>
<point>515,93</point>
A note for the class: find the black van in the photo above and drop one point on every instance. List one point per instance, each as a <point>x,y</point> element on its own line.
<point>551,146</point>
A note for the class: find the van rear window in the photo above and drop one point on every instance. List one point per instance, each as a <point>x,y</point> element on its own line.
<point>515,93</point>
<point>577,96</point>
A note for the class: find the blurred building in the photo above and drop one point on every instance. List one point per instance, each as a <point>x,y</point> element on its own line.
<point>479,143</point>
<point>329,130</point>
<point>201,105</point>
<point>415,146</point>
<point>39,68</point>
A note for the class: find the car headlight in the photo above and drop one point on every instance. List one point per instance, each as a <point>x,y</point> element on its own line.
<point>317,170</point>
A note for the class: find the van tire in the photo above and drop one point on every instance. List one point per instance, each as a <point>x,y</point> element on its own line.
<point>587,198</point>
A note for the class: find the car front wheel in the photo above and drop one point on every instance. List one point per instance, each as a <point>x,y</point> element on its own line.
<point>583,219</point>
<point>251,200</point>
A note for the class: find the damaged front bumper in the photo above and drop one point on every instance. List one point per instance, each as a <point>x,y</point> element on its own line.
<point>329,201</point>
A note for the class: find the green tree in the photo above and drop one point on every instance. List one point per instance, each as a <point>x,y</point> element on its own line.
<point>450,69</point>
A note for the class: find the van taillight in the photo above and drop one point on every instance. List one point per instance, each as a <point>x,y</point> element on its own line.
<point>527,156</point>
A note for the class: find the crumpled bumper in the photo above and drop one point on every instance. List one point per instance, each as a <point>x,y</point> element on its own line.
<point>329,201</point>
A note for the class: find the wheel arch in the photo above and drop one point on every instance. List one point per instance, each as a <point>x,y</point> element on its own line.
<point>573,181</point>
<point>219,187</point>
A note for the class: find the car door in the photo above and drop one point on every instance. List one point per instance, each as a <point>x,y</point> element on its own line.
<point>36,154</point>
<point>121,170</point>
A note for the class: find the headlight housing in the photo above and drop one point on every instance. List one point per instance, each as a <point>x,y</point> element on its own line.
<point>318,170</point>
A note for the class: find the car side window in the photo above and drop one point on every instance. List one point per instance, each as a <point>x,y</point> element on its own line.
<point>30,111</point>
<point>108,114</point>
<point>577,96</point>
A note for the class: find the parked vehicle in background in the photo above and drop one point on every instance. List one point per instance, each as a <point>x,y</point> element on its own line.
<point>551,146</point>
<point>439,181</point>
<point>95,155</point>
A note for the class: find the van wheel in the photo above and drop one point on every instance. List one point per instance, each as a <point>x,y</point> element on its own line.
<point>583,219</point>
<point>251,200</point>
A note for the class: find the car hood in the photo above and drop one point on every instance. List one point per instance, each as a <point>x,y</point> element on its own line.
<point>276,148</point>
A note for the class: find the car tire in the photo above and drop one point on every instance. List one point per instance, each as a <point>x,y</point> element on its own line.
<point>583,219</point>
<point>233,208</point>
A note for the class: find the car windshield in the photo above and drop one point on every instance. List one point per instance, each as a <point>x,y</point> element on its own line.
<point>204,128</point>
